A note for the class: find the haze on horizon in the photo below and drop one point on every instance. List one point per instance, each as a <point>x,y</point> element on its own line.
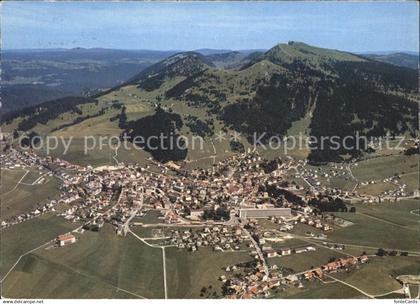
<point>349,26</point>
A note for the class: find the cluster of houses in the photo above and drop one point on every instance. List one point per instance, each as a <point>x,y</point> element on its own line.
<point>220,238</point>
<point>183,196</point>
<point>48,207</point>
<point>89,199</point>
<point>318,177</point>
<point>316,222</point>
<point>242,282</point>
<point>231,184</point>
<point>335,266</point>
<point>18,160</point>
<point>271,253</point>
<point>400,191</point>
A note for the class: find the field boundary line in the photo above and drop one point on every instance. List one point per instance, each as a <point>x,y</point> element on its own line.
<point>88,275</point>
<point>415,253</point>
<point>352,286</point>
<point>20,257</point>
<point>400,290</point>
<point>164,272</point>
<point>17,184</point>
<point>386,221</point>
<point>163,259</point>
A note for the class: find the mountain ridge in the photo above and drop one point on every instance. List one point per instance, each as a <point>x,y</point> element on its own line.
<point>399,59</point>
<point>270,93</point>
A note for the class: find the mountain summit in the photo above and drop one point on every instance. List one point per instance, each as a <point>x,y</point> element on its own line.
<point>301,51</point>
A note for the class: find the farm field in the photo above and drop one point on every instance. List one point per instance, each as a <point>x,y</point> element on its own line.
<point>287,242</point>
<point>377,188</point>
<point>189,272</point>
<point>411,180</point>
<point>393,295</point>
<point>399,212</point>
<point>33,175</point>
<point>369,231</point>
<point>138,103</point>
<point>381,167</point>
<point>35,277</point>
<point>302,230</point>
<point>377,277</point>
<point>25,196</point>
<point>9,179</point>
<point>359,250</point>
<point>105,260</point>
<point>150,232</point>
<point>97,154</point>
<point>304,261</point>
<point>151,217</point>
<point>27,236</point>
<point>102,123</point>
<point>414,290</point>
<point>342,183</point>
<point>144,232</point>
<point>75,153</point>
<point>318,290</point>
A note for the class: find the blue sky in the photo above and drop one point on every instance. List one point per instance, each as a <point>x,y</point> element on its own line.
<point>369,26</point>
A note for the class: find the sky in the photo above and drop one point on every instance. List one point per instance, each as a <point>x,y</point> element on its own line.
<point>350,26</point>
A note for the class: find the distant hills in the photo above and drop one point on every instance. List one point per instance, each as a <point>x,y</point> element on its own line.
<point>33,76</point>
<point>400,59</point>
<point>326,92</point>
<point>37,75</point>
<point>207,51</point>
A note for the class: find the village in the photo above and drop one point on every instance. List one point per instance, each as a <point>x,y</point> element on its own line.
<point>222,208</point>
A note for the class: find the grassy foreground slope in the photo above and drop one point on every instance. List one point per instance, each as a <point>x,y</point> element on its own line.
<point>189,272</point>
<point>23,190</point>
<point>19,239</point>
<point>103,260</point>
